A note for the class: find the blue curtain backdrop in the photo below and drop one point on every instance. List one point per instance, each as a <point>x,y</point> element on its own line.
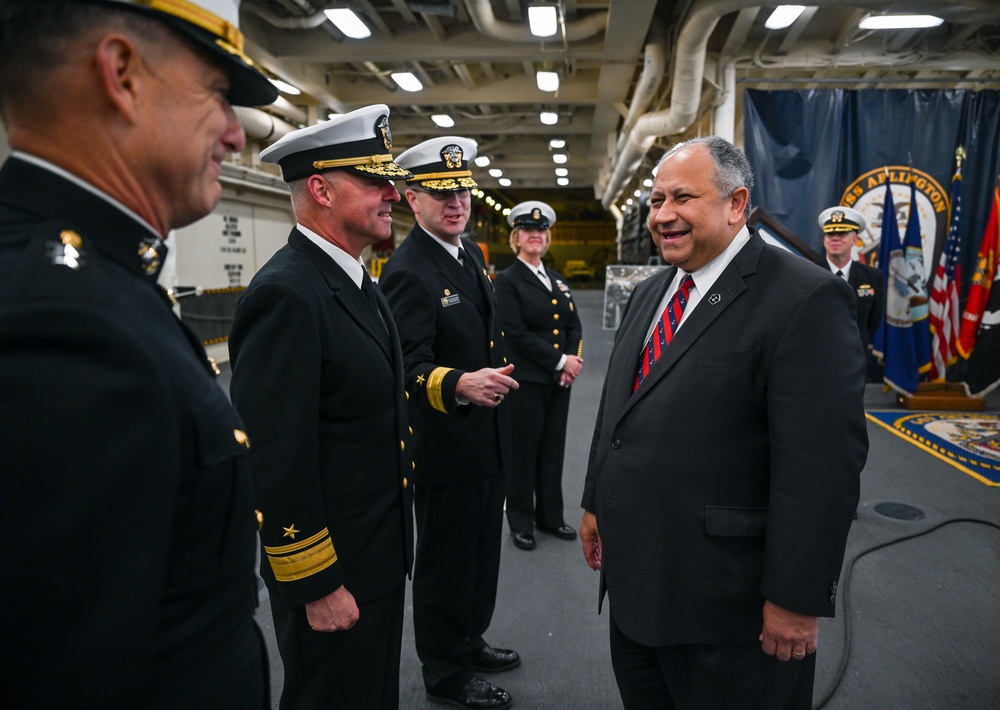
<point>808,146</point>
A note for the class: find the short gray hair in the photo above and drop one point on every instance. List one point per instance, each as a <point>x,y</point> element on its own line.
<point>732,169</point>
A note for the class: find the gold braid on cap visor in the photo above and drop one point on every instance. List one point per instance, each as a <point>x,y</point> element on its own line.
<point>230,37</point>
<point>380,165</point>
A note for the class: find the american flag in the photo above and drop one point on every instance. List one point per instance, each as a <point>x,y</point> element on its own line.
<point>946,316</point>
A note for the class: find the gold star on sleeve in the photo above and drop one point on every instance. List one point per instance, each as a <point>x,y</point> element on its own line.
<point>420,379</point>
<point>290,531</point>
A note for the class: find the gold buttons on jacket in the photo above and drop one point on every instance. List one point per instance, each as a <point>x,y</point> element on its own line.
<point>241,438</point>
<point>413,465</point>
<point>402,446</point>
<point>407,394</point>
<point>411,430</point>
<point>555,301</point>
<point>491,343</point>
<point>556,316</point>
<point>555,332</point>
<point>405,482</point>
<point>260,519</point>
<point>555,345</point>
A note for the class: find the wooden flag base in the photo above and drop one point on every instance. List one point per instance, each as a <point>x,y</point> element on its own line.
<point>941,395</point>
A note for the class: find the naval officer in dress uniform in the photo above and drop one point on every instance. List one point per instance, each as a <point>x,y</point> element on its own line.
<point>841,226</point>
<point>457,377</point>
<point>128,514</point>
<point>544,340</point>
<point>318,378</point>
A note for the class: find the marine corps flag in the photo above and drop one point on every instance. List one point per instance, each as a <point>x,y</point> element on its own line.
<point>893,341</point>
<point>984,361</point>
<point>982,281</point>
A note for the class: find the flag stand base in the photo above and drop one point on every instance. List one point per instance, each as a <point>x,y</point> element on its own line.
<point>941,395</point>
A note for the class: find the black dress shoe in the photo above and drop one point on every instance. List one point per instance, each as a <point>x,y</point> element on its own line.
<point>524,541</point>
<point>564,532</point>
<point>494,660</point>
<point>477,694</point>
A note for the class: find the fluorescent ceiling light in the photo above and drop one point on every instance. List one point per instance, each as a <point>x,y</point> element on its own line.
<point>647,183</point>
<point>496,172</point>
<point>547,80</point>
<point>557,143</point>
<point>637,193</point>
<point>783,16</point>
<point>506,211</point>
<point>406,81</point>
<point>443,120</point>
<point>562,181</point>
<point>482,161</point>
<point>559,158</point>
<point>899,22</point>
<point>504,182</point>
<point>348,23</point>
<point>562,172</point>
<point>498,207</point>
<point>628,202</point>
<point>542,20</point>
<point>286,88</point>
<point>549,118</point>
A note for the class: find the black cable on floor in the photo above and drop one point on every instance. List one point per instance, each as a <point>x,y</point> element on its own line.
<point>846,588</point>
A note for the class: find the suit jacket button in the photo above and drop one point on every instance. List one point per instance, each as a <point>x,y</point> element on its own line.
<point>616,444</point>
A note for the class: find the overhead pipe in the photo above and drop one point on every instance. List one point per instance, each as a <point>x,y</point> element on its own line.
<point>286,23</point>
<point>654,64</point>
<point>685,97</point>
<point>260,124</point>
<point>481,14</point>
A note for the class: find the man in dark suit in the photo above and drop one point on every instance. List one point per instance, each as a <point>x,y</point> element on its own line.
<point>128,509</point>
<point>457,378</point>
<point>841,226</point>
<point>725,464</point>
<point>318,378</point>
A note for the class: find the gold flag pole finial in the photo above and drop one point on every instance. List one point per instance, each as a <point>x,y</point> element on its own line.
<point>960,155</point>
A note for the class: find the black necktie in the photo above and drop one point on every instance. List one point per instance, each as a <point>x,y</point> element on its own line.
<point>466,260</point>
<point>840,274</point>
<point>368,290</point>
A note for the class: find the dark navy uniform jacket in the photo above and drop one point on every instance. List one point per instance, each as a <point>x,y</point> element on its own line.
<point>448,326</point>
<point>319,380</point>
<point>540,325</point>
<point>128,521</point>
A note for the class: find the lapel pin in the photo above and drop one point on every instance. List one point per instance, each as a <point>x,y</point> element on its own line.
<point>715,299</point>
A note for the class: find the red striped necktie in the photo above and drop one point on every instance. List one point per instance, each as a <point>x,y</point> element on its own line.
<point>664,331</point>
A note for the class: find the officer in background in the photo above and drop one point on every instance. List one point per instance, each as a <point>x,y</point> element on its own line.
<point>457,378</point>
<point>841,226</point>
<point>545,342</point>
<point>128,518</point>
<point>317,375</point>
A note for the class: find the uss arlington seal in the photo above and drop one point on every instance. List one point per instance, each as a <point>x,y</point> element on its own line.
<point>867,195</point>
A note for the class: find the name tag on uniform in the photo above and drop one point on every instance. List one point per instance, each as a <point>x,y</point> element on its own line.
<point>452,300</point>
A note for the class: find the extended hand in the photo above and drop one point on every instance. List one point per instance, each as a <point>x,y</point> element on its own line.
<point>335,612</point>
<point>486,387</point>
<point>788,635</point>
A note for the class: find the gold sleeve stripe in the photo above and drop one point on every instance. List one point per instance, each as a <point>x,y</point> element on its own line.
<point>301,544</point>
<point>579,349</point>
<point>303,564</point>
<point>434,382</point>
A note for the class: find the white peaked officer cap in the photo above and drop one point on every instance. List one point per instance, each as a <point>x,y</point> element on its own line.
<point>532,214</point>
<point>440,164</point>
<point>215,26</point>
<point>358,141</point>
<point>838,220</point>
